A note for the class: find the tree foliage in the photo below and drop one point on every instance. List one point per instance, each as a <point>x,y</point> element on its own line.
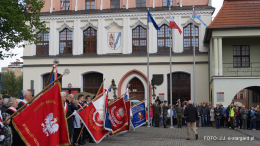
<point>12,85</point>
<point>18,21</point>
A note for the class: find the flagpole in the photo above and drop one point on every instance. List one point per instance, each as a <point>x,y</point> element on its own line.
<point>148,88</point>
<point>171,33</point>
<point>50,75</point>
<point>194,72</point>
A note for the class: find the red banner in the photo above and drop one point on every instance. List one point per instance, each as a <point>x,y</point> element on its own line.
<point>118,116</point>
<point>44,121</point>
<point>93,119</point>
<point>126,128</point>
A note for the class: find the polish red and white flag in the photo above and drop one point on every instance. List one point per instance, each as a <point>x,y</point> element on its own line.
<point>173,24</point>
<point>62,5</point>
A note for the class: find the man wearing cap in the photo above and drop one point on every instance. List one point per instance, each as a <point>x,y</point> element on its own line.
<point>179,111</point>
<point>165,112</point>
<point>157,111</point>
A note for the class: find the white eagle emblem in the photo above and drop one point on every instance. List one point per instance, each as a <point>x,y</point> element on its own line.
<point>50,126</point>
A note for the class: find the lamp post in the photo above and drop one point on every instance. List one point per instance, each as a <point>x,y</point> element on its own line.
<point>153,87</point>
<point>113,86</point>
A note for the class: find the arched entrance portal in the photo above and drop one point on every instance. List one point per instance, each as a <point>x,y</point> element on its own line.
<point>137,89</point>
<point>249,97</point>
<point>180,87</point>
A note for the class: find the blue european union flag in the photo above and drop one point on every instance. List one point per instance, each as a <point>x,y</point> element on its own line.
<point>150,19</point>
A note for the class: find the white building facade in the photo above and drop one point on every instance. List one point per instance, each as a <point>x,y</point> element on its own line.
<point>112,44</point>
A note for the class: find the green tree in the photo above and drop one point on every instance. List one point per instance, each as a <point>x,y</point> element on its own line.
<point>18,21</point>
<point>12,85</point>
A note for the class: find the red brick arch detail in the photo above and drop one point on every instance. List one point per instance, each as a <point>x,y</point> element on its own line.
<point>134,71</point>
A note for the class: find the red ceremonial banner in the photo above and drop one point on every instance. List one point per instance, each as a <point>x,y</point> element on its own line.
<point>118,116</point>
<point>44,123</point>
<point>126,128</point>
<point>93,119</point>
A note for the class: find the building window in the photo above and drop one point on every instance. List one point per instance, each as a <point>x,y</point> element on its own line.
<point>165,3</point>
<point>140,3</point>
<point>45,80</point>
<point>13,69</point>
<point>235,96</point>
<point>89,41</point>
<point>188,38</point>
<point>241,95</point>
<point>139,40</point>
<point>114,4</point>
<point>241,56</point>
<point>90,4</point>
<point>92,82</point>
<point>20,69</point>
<point>181,86</point>
<point>66,41</point>
<point>65,5</point>
<point>42,44</point>
<point>163,39</point>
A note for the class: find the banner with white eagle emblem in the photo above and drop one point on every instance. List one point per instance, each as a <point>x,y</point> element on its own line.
<point>118,115</point>
<point>44,122</point>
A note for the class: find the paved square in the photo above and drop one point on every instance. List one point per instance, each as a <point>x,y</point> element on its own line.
<point>177,136</point>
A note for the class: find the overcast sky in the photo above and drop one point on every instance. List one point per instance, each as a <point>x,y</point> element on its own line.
<point>3,63</point>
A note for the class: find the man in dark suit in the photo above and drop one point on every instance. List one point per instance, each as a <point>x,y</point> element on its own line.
<point>191,115</point>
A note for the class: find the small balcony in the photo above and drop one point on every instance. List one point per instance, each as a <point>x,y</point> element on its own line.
<point>230,69</point>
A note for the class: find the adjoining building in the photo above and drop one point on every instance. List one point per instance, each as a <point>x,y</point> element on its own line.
<point>107,39</point>
<point>16,67</point>
<point>233,41</point>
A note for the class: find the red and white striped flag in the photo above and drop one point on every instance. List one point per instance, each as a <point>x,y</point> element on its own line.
<point>173,24</point>
<point>62,5</point>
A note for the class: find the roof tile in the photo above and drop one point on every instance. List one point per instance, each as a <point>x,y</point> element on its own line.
<point>238,13</point>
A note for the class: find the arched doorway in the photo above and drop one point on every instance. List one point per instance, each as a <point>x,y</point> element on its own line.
<point>137,89</point>
<point>249,97</point>
<point>45,79</point>
<point>180,87</point>
<point>92,82</point>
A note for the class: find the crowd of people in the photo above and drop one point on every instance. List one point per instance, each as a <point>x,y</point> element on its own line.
<point>9,105</point>
<point>233,116</point>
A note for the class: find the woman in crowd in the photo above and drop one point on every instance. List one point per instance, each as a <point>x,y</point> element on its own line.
<point>151,114</point>
<point>17,141</point>
<point>218,116</point>
<point>237,115</point>
<point>77,125</point>
<point>212,116</point>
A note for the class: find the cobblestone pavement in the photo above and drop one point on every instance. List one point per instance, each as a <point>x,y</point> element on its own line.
<point>160,136</point>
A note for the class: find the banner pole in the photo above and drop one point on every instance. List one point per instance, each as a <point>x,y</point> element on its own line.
<point>32,99</point>
<point>80,132</point>
<point>50,75</point>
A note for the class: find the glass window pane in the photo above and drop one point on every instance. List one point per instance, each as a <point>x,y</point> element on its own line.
<point>93,5</point>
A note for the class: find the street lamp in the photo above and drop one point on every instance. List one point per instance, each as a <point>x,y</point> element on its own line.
<point>113,86</point>
<point>153,87</point>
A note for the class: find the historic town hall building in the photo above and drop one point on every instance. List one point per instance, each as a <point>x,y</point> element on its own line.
<point>99,39</point>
